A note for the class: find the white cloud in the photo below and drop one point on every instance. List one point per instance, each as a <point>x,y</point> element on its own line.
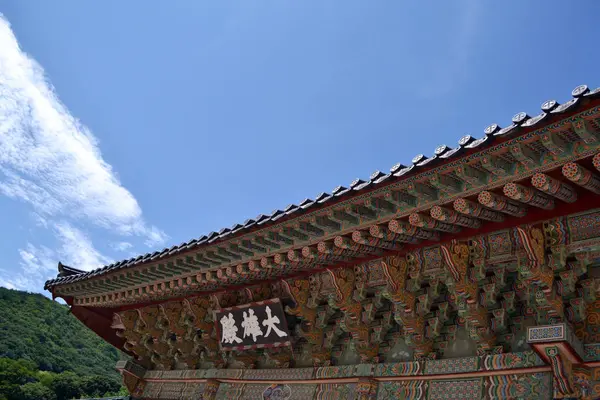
<point>50,160</point>
<point>77,249</point>
<point>38,263</point>
<point>53,163</point>
<point>121,246</point>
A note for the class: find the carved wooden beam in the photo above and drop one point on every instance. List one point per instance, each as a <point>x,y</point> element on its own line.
<point>326,223</point>
<point>382,232</point>
<point>581,176</point>
<point>342,217</point>
<point>554,188</point>
<point>281,260</point>
<point>293,233</point>
<point>472,175</point>
<point>447,183</point>
<point>346,243</point>
<point>423,221</point>
<point>498,166</point>
<point>379,205</point>
<point>528,196</point>
<point>501,203</point>
<point>401,199</point>
<point>280,238</point>
<point>265,242</point>
<point>201,258</point>
<point>554,143</point>
<point>366,239</point>
<point>402,228</point>
<point>214,258</point>
<point>526,155</point>
<point>361,211</point>
<point>472,209</point>
<point>454,218</point>
<point>586,131</point>
<point>228,254</point>
<point>596,161</point>
<point>309,228</point>
<point>421,190</point>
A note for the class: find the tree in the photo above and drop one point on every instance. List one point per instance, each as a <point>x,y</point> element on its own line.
<point>97,386</point>
<point>36,391</point>
<point>66,386</point>
<point>13,374</point>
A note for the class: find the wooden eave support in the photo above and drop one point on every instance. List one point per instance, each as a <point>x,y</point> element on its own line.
<point>403,228</point>
<point>346,243</point>
<point>268,243</point>
<point>425,222</point>
<point>314,254</point>
<point>581,176</point>
<point>472,175</point>
<point>281,260</point>
<point>368,240</point>
<point>501,203</point>
<point>236,248</point>
<point>454,218</point>
<point>498,166</point>
<point>586,131</point>
<point>326,223</point>
<point>528,196</point>
<point>330,249</point>
<point>384,233</point>
<point>179,266</point>
<point>294,233</point>
<point>447,183</point>
<point>401,199</point>
<point>421,190</point>
<point>342,217</point>
<point>154,274</point>
<point>473,209</point>
<point>268,262</point>
<point>194,263</point>
<point>596,161</point>
<point>201,258</point>
<point>380,205</point>
<point>309,229</point>
<point>554,143</point>
<point>229,255</point>
<point>554,188</point>
<point>249,245</point>
<point>360,211</point>
<point>526,155</point>
<point>296,261</point>
<point>280,238</point>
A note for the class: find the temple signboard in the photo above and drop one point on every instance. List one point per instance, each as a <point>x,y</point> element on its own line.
<point>252,326</point>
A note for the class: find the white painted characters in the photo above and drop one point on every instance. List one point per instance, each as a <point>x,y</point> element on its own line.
<point>229,330</point>
<point>270,324</point>
<point>250,325</point>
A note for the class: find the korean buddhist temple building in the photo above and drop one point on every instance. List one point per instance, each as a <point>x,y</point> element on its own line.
<point>472,273</point>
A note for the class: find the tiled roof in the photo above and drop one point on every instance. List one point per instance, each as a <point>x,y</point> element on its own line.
<point>441,154</point>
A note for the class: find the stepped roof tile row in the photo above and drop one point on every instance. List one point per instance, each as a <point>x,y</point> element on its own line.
<point>441,154</point>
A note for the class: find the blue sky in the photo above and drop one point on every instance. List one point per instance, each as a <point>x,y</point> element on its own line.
<point>141,125</point>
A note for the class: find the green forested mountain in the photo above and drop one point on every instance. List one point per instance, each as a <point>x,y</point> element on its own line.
<point>46,353</point>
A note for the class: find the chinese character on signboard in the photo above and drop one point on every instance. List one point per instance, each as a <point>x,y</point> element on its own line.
<point>254,325</point>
